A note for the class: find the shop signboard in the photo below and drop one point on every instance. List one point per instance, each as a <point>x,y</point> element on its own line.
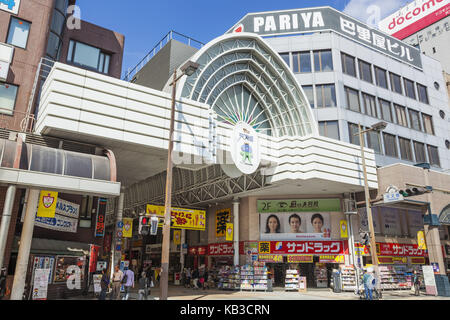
<point>421,243</point>
<point>332,259</point>
<point>100,219</point>
<point>47,204</point>
<point>127,228</point>
<point>302,247</point>
<point>93,256</point>
<point>153,248</point>
<point>307,20</point>
<point>299,205</point>
<point>97,278</point>
<point>177,237</point>
<point>198,250</point>
<point>11,6</point>
<point>221,249</point>
<point>40,262</point>
<point>222,218</point>
<point>229,236</point>
<point>40,284</point>
<point>344,229</point>
<point>58,223</point>
<point>402,250</point>
<point>295,258</point>
<point>430,280</point>
<point>181,218</point>
<point>270,258</point>
<point>418,261</point>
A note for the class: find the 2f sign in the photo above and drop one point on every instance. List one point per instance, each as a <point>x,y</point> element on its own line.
<point>287,22</point>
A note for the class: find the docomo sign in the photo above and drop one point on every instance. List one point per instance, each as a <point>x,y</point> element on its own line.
<point>414,17</point>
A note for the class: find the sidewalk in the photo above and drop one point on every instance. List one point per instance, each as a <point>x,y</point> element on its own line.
<point>181,293</point>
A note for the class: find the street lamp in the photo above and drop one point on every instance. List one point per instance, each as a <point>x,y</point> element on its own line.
<point>373,249</point>
<point>187,69</point>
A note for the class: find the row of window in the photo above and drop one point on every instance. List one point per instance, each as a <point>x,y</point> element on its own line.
<point>381,78</point>
<point>386,112</point>
<point>409,150</point>
<point>303,62</point>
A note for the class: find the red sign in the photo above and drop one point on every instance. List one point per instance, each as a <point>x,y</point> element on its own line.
<point>198,250</point>
<point>107,243</point>
<point>220,249</point>
<point>401,250</point>
<point>307,247</point>
<point>100,221</point>
<point>93,255</point>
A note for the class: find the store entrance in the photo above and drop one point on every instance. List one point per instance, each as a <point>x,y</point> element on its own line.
<point>278,273</point>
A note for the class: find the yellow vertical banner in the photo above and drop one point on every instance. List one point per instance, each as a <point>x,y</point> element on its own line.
<point>421,240</point>
<point>127,229</point>
<point>344,229</point>
<point>176,237</point>
<point>47,204</point>
<point>222,218</point>
<point>229,233</point>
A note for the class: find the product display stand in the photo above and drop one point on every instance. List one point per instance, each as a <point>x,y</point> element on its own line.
<point>348,278</point>
<point>291,281</point>
<point>229,278</point>
<point>246,277</point>
<point>259,276</point>
<point>397,276</point>
<point>320,274</point>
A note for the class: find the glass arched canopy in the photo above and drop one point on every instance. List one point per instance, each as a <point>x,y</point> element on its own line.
<point>243,79</point>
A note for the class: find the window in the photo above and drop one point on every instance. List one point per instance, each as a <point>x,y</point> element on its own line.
<point>419,150</point>
<point>365,71</point>
<point>8,94</point>
<point>409,89</point>
<point>285,57</point>
<point>309,92</point>
<point>18,32</point>
<point>352,99</point>
<point>390,145</point>
<point>329,129</point>
<point>433,155</point>
<point>380,76</point>
<point>405,149</point>
<point>353,133</point>
<point>428,123</point>
<point>422,92</point>
<point>401,115</point>
<point>326,95</point>
<point>348,64</point>
<point>415,120</point>
<point>396,83</point>
<point>87,56</point>
<point>323,61</point>
<point>386,112</point>
<point>302,62</point>
<point>374,141</point>
<point>370,105</point>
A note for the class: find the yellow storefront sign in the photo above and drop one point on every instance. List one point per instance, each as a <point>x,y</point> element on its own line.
<point>47,204</point>
<point>264,247</point>
<point>222,218</point>
<point>421,240</point>
<point>127,229</point>
<point>229,236</point>
<point>344,229</point>
<point>181,218</point>
<point>177,237</point>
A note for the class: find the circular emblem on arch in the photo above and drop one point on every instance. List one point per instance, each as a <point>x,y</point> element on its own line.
<point>245,148</point>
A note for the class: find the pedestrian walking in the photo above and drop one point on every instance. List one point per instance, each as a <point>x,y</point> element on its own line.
<point>416,282</point>
<point>104,285</point>
<point>195,276</point>
<point>144,286</point>
<point>128,282</point>
<point>2,283</point>
<point>187,284</point>
<point>116,283</point>
<point>205,280</point>
<point>368,280</point>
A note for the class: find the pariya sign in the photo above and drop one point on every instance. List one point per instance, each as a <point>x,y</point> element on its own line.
<point>324,19</point>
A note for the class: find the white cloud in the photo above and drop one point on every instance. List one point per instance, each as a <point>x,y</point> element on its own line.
<point>372,11</point>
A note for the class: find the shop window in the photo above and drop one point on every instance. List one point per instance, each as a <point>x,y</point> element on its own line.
<point>401,115</point>
<point>409,89</point>
<point>8,97</point>
<point>301,62</point>
<point>348,64</point>
<point>433,155</point>
<point>390,145</point>
<point>309,92</point>
<point>386,111</point>
<point>329,129</point>
<point>88,57</point>
<point>352,99</point>
<point>419,151</point>
<point>326,96</point>
<point>405,149</point>
<point>18,32</point>
<point>365,71</point>
<point>381,78</point>
<point>396,83</point>
<point>323,61</point>
<point>423,94</point>
<point>370,106</point>
<point>415,120</point>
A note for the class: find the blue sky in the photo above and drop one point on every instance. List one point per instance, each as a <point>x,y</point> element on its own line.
<point>145,22</point>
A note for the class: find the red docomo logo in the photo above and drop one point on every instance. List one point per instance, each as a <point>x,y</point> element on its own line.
<point>426,6</point>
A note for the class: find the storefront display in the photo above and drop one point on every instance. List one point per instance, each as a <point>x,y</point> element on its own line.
<point>348,278</point>
<point>63,263</point>
<point>320,275</point>
<point>291,281</point>
<point>260,272</point>
<point>247,277</point>
<point>229,278</point>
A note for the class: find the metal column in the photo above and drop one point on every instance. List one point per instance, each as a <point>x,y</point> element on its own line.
<point>25,246</point>
<point>116,255</point>
<point>6,220</point>
<point>236,230</point>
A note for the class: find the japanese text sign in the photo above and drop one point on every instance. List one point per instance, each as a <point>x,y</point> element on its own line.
<point>181,218</point>
<point>222,218</point>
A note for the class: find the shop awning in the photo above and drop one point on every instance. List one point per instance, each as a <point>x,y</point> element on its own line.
<point>54,247</point>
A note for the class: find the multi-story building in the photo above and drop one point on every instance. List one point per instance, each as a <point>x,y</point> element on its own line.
<point>33,36</point>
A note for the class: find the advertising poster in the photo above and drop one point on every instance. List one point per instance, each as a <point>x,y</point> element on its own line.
<point>97,280</point>
<point>47,204</point>
<point>127,228</point>
<point>229,236</point>
<point>93,257</point>
<point>177,237</point>
<point>100,219</point>
<point>429,279</point>
<point>222,218</point>
<point>189,219</point>
<point>40,284</point>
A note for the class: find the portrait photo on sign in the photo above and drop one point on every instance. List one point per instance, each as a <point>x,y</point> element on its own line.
<point>295,226</point>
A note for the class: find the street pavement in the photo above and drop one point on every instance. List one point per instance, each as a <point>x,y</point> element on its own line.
<point>181,293</point>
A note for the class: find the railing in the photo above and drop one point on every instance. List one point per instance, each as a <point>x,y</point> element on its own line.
<point>171,35</point>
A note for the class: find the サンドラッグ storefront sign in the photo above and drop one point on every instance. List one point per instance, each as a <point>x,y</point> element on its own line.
<point>323,19</point>
<point>189,219</point>
<point>220,249</point>
<point>302,247</point>
<point>402,250</point>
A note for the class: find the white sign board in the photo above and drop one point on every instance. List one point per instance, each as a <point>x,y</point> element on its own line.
<point>392,197</point>
<point>245,148</point>
<point>97,280</point>
<point>4,69</point>
<point>430,281</point>
<point>40,284</point>
<point>10,6</point>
